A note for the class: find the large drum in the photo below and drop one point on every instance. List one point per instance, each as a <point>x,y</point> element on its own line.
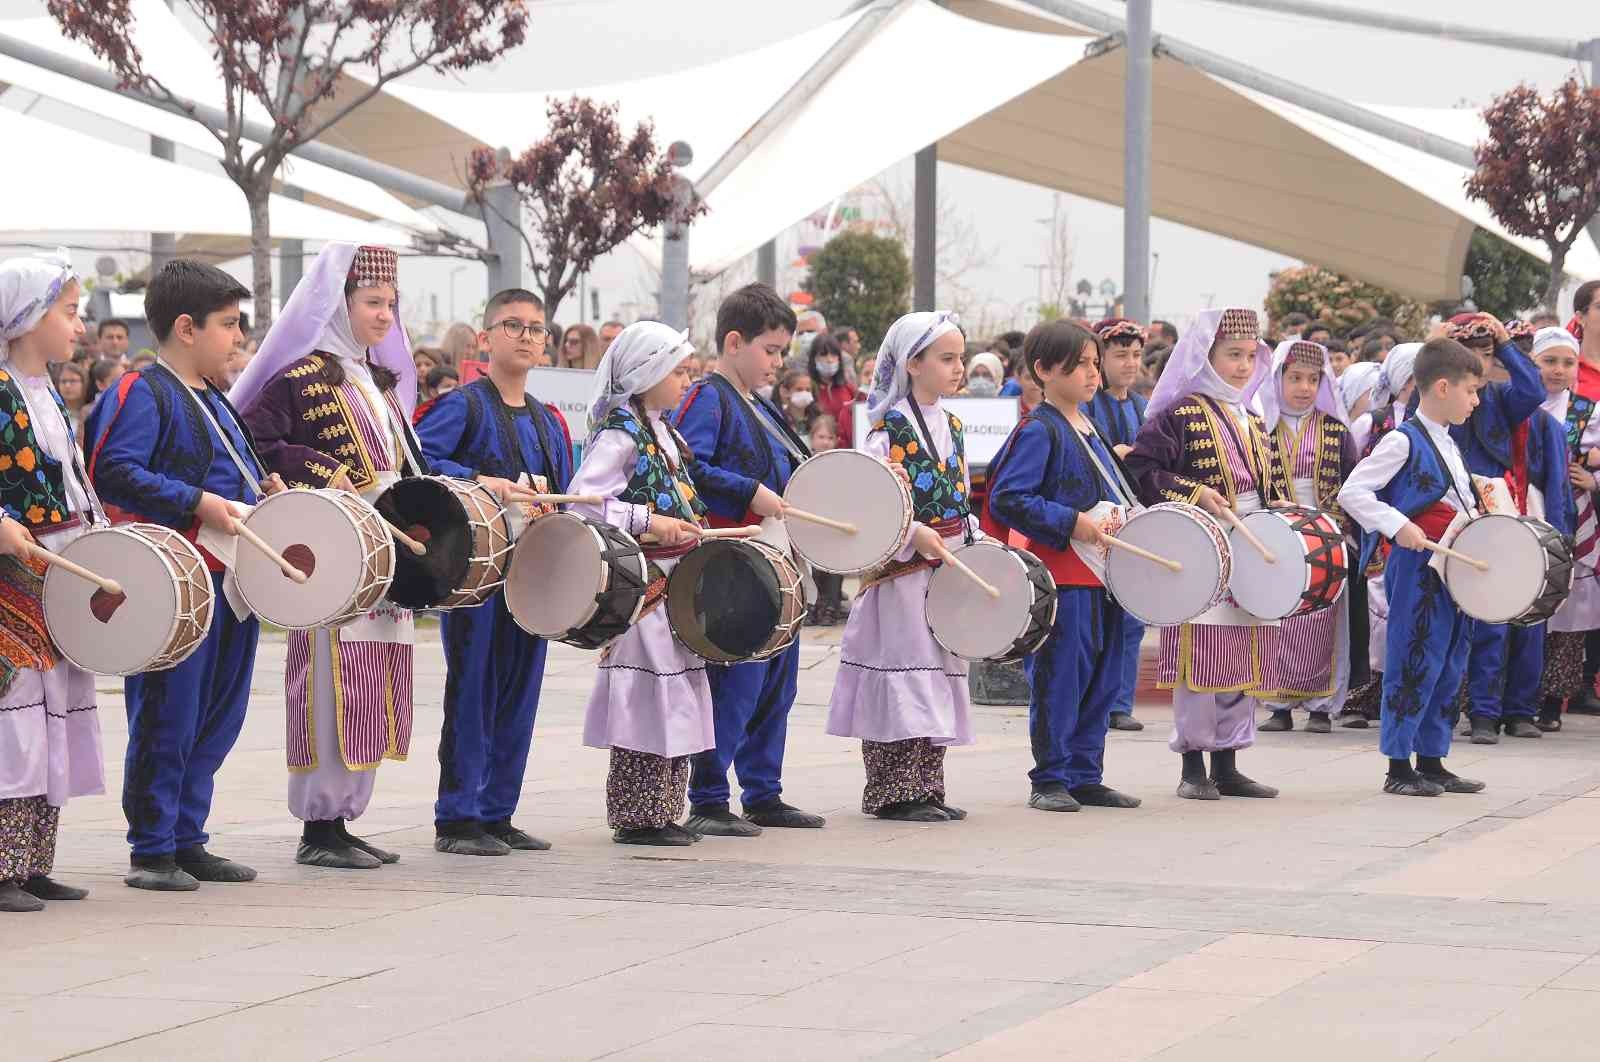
<point>338,540</point>
<point>1309,563</point>
<point>858,489</point>
<point>576,580</point>
<point>159,619</point>
<point>966,621</point>
<point>1154,594</point>
<point>467,535</point>
<point>731,600</point>
<point>1529,575</point>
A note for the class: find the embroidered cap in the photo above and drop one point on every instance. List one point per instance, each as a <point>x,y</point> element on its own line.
<point>1520,329</point>
<point>1304,352</point>
<point>1119,328</point>
<point>1467,327</point>
<point>373,266</point>
<point>1238,324</point>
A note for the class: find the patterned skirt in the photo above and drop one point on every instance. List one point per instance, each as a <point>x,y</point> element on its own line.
<point>1563,665</point>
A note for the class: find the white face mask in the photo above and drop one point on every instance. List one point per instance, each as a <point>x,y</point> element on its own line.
<point>982,387</point>
<point>827,367</point>
<point>801,399</point>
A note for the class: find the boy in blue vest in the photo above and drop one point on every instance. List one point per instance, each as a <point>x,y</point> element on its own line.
<point>494,432</point>
<point>746,452</point>
<point>1411,490</point>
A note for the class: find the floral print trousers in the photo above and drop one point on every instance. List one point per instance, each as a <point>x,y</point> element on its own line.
<point>645,791</point>
<point>901,772</point>
<point>27,838</point>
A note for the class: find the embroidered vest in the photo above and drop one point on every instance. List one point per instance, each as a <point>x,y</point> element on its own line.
<point>32,485</point>
<point>1205,432</point>
<point>1329,446</point>
<point>938,487</point>
<point>651,483</point>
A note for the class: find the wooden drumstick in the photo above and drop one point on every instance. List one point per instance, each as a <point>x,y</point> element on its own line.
<point>523,494</point>
<point>1453,554</point>
<point>749,531</point>
<point>956,563</point>
<point>271,554</point>
<point>1248,535</point>
<point>1140,551</point>
<point>791,513</point>
<point>407,541</point>
<point>110,586</point>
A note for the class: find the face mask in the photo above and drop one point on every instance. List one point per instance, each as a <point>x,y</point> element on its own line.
<point>827,367</point>
<point>801,399</point>
<point>982,387</point>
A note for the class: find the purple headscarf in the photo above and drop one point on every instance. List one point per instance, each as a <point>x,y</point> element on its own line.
<point>317,317</point>
<point>1189,368</point>
<point>1271,393</point>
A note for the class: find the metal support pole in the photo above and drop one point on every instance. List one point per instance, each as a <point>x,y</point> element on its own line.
<point>767,263</point>
<point>291,255</point>
<point>924,234</point>
<point>675,263</point>
<point>163,245</point>
<point>503,225</point>
<point>1136,163</point>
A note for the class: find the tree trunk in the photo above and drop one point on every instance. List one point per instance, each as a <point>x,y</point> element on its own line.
<point>258,197</point>
<point>1558,278</point>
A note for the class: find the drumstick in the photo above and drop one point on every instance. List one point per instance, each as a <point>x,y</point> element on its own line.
<point>110,586</point>
<point>271,554</point>
<point>954,562</point>
<point>1482,566</point>
<point>523,494</point>
<point>1140,551</point>
<point>750,531</point>
<point>407,541</point>
<point>790,512</point>
<point>1248,535</point>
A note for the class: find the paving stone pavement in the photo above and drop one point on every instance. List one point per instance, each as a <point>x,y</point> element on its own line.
<point>1334,922</point>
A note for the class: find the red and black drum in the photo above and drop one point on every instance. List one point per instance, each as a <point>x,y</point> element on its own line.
<point>1309,563</point>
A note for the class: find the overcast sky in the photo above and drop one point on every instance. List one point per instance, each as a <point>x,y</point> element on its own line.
<point>574,43</point>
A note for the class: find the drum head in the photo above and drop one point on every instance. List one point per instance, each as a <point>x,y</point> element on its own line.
<point>723,600</point>
<point>556,573</point>
<point>100,633</point>
<point>1270,591</point>
<point>1516,572</point>
<point>966,620</point>
<point>857,489</point>
<point>425,509</point>
<point>312,531</point>
<point>1152,593</point>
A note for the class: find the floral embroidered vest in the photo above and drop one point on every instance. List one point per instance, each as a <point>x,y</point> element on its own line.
<point>653,477</point>
<point>938,485</point>
<point>32,484</point>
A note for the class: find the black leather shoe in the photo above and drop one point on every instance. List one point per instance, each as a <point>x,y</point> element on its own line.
<point>204,866</point>
<point>1281,720</point>
<point>1452,783</point>
<point>515,839</point>
<point>1124,721</point>
<point>1484,731</point>
<point>1096,795</point>
<point>47,888</point>
<point>775,814</point>
<point>660,836</point>
<point>953,813</point>
<point>1237,785</point>
<point>358,843</point>
<point>1352,720</point>
<point>1522,727</point>
<point>1418,786</point>
<point>1319,723</point>
<point>159,874</point>
<point>467,838</point>
<point>14,900</point>
<point>911,811</point>
<point>1204,789</point>
<point>718,821</point>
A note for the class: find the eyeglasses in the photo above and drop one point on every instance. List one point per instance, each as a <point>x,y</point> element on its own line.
<point>515,329</point>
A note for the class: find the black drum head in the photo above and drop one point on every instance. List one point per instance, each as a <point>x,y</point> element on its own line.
<point>426,510</point>
<point>724,594</point>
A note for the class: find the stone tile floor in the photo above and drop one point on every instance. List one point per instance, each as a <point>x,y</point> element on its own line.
<point>1332,923</point>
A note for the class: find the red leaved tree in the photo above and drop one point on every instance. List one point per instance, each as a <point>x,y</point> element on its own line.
<point>283,59</point>
<point>585,188</point>
<point>1539,170</point>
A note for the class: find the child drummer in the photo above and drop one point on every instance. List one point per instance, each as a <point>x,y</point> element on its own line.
<point>1055,481</point>
<point>493,431</point>
<point>49,725</point>
<point>651,704</point>
<point>1414,489</point>
<point>1202,446</point>
<point>1306,430</point>
<point>897,689</point>
<point>174,452</point>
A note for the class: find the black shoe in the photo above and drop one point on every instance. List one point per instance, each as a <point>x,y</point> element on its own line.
<point>694,838</point>
<point>322,845</point>
<point>46,888</point>
<point>715,820</point>
<point>1054,797</point>
<point>954,814</point>
<point>468,839</point>
<point>1451,783</point>
<point>515,839</point>
<point>1483,731</point>
<point>357,843</point>
<point>1352,720</point>
<point>1549,717</point>
<point>1585,703</point>
<point>204,866</point>
<point>778,815</point>
<point>159,874</point>
<point>14,900</point>
<point>1415,786</point>
<point>911,811</point>
<point>1522,727</point>
<point>1096,795</point>
<point>1282,719</point>
<point>1230,783</point>
<point>658,836</point>
<point>1124,721</point>
<point>1204,789</point>
<point>1319,723</point>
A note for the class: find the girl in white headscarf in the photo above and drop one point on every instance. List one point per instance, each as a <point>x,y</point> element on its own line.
<point>49,724</point>
<point>1315,453</point>
<point>651,704</point>
<point>1358,386</point>
<point>897,689</point>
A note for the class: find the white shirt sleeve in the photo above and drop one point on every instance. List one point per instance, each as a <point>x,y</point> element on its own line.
<point>607,466</point>
<point>877,445</point>
<point>1359,496</point>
